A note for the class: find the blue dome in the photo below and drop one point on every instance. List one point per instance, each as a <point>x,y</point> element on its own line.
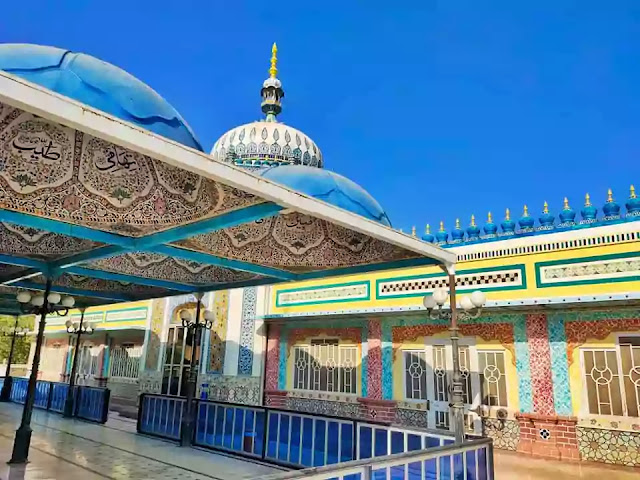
<point>473,231</point>
<point>526,221</point>
<point>611,209</point>
<point>567,214</point>
<point>546,219</point>
<point>428,236</point>
<point>633,204</point>
<point>98,84</point>
<point>490,228</point>
<point>508,225</point>
<point>329,187</point>
<point>589,212</point>
<point>457,234</point>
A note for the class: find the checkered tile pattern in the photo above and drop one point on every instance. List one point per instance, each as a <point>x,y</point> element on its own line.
<point>489,279</point>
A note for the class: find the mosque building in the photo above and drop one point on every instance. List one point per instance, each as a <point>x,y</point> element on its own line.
<point>551,364</point>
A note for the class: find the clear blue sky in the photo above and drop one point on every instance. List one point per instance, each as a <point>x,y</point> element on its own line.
<point>439,110</point>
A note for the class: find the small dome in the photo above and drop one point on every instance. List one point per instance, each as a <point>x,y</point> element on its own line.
<point>508,225</point>
<point>329,187</point>
<point>546,219</point>
<point>441,235</point>
<point>98,84</point>
<point>457,234</point>
<point>589,213</point>
<point>428,236</point>
<point>568,214</point>
<point>263,143</point>
<point>526,221</point>
<point>633,204</point>
<point>473,231</point>
<point>611,209</point>
<point>490,228</point>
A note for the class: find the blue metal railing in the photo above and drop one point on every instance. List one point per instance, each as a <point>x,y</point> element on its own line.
<point>279,436</point>
<point>90,403</point>
<point>471,460</point>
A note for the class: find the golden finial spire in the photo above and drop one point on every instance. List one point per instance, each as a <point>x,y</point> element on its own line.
<point>428,230</point>
<point>273,71</point>
<point>545,207</point>
<point>566,204</point>
<point>632,191</point>
<point>525,212</point>
<point>473,220</point>
<point>609,196</point>
<point>441,225</point>
<point>413,231</point>
<point>587,200</point>
<point>489,218</point>
<point>507,214</point>
<point>457,223</point>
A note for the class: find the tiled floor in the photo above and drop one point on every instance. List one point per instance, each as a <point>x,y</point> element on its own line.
<point>71,449</point>
<point>513,466</point>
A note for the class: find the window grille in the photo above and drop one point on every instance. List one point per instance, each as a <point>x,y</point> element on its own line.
<point>325,366</point>
<point>493,382</point>
<point>415,369</point>
<point>125,361</point>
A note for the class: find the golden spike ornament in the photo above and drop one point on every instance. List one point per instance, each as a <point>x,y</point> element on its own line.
<point>609,196</point>
<point>428,229</point>
<point>489,218</point>
<point>587,200</point>
<point>413,231</point>
<point>525,212</point>
<point>458,223</point>
<point>632,192</point>
<point>473,220</point>
<point>566,204</point>
<point>273,71</point>
<point>441,225</point>
<point>545,207</point>
<point>507,214</point>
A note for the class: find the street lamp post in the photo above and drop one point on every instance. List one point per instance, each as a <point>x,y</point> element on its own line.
<point>471,308</point>
<point>79,329</point>
<point>42,305</point>
<point>16,331</point>
<point>195,327</point>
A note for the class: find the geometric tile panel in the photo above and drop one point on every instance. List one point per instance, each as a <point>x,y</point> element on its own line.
<point>347,292</point>
<point>502,279</point>
<point>245,355</point>
<point>609,446</point>
<point>599,269</point>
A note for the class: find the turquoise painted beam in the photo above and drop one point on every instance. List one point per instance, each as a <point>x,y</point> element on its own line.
<point>57,226</point>
<point>208,225</point>
<point>222,262</point>
<point>231,285</point>
<point>77,292</point>
<point>398,264</point>
<point>22,275</point>
<point>91,255</point>
<point>120,277</point>
<point>23,262</point>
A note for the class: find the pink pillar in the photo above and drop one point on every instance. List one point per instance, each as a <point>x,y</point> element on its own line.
<point>273,358</point>
<point>374,360</point>
<point>540,364</point>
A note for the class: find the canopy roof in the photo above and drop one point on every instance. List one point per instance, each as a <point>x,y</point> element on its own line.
<point>113,213</point>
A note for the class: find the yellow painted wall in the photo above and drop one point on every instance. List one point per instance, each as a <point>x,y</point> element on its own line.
<point>529,261</point>
<point>57,324</point>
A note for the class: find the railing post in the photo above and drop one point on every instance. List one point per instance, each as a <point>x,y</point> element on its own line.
<point>490,473</point>
<point>50,396</point>
<point>105,405</point>
<point>140,409</point>
<point>367,472</point>
<point>265,434</point>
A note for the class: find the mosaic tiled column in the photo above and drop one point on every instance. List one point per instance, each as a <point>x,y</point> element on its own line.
<point>540,364</point>
<point>273,358</point>
<point>374,360</point>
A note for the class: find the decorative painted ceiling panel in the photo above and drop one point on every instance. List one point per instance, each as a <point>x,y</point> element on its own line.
<point>296,242</point>
<point>39,244</point>
<point>153,265</point>
<point>91,284</point>
<point>56,172</point>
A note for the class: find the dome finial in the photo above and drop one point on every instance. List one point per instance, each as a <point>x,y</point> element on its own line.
<point>273,71</point>
<point>632,192</point>
<point>566,204</point>
<point>489,218</point>
<point>272,92</point>
<point>442,225</point>
<point>507,214</point>
<point>545,207</point>
<point>525,212</point>
<point>473,220</point>
<point>587,200</point>
<point>457,223</point>
<point>413,231</point>
<point>609,196</point>
<point>428,229</point>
